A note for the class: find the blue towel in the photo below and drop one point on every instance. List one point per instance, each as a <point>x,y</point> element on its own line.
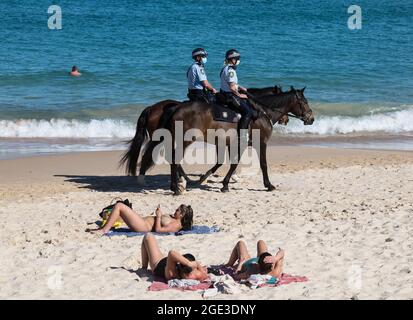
<point>194,230</point>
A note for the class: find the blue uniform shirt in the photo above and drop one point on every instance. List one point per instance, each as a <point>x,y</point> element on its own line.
<point>228,75</point>
<point>195,75</point>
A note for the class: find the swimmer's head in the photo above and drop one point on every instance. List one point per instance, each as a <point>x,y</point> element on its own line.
<point>74,69</point>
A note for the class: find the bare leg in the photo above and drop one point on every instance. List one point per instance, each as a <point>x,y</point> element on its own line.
<point>261,247</point>
<point>133,220</point>
<point>240,254</point>
<point>150,251</point>
<point>144,255</point>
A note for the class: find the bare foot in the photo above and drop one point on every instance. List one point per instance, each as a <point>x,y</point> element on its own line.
<point>96,231</point>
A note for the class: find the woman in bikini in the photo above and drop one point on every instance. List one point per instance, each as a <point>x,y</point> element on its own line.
<point>172,266</point>
<point>182,219</point>
<point>263,263</point>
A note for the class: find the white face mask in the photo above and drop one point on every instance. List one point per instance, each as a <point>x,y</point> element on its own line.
<point>237,63</point>
<point>204,60</point>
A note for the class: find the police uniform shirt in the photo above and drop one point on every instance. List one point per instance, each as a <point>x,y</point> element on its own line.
<point>228,75</point>
<point>195,75</point>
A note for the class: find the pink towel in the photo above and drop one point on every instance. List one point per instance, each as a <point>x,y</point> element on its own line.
<point>159,285</point>
<point>286,279</point>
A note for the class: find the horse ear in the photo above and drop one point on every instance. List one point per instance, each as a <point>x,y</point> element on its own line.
<point>292,89</point>
<point>277,90</point>
<point>302,90</point>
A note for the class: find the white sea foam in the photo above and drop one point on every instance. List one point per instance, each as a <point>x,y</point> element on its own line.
<point>62,128</point>
<point>392,122</point>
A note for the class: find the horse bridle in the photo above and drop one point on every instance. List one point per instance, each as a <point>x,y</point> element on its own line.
<point>302,118</point>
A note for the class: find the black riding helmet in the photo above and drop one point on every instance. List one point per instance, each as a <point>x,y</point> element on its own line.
<point>199,52</point>
<point>231,54</point>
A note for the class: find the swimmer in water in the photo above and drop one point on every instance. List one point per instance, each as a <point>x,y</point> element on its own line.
<point>75,72</point>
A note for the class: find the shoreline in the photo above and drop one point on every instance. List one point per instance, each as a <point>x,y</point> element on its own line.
<point>15,148</point>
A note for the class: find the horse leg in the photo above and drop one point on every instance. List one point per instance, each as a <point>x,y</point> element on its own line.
<point>216,166</point>
<point>178,172</point>
<point>182,173</point>
<point>209,172</point>
<point>147,161</point>
<point>225,182</point>
<point>175,179</point>
<point>174,173</point>
<point>264,168</point>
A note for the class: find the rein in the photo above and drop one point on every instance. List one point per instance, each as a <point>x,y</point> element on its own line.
<point>249,95</point>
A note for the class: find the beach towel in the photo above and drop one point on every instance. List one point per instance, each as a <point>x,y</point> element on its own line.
<point>284,279</point>
<point>182,283</point>
<point>195,230</point>
<point>159,284</point>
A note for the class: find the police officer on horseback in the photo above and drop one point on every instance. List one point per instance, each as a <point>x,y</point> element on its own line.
<point>199,89</point>
<point>233,91</point>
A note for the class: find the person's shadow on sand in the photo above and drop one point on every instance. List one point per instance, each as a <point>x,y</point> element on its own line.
<point>141,273</point>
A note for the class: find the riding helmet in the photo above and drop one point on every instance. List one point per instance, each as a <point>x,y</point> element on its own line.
<point>199,52</point>
<point>232,53</point>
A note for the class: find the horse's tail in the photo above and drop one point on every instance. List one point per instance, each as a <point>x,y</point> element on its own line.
<point>130,158</point>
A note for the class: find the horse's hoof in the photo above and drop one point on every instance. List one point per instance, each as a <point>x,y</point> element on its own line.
<point>224,189</point>
<point>178,193</point>
<point>270,188</point>
<point>141,180</point>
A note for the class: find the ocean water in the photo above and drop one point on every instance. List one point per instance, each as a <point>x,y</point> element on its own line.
<point>135,53</point>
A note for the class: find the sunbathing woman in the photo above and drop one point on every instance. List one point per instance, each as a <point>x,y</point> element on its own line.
<point>182,219</point>
<point>173,266</point>
<point>264,263</point>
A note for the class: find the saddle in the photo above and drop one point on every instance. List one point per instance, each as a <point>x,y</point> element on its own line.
<point>222,110</point>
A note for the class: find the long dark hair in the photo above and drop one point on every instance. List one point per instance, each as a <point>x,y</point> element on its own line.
<point>187,217</point>
<point>184,270</point>
<point>264,267</point>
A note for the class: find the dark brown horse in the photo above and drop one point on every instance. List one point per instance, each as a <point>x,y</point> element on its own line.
<point>149,121</point>
<point>197,115</point>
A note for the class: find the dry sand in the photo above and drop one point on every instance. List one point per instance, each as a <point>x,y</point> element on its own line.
<point>344,218</point>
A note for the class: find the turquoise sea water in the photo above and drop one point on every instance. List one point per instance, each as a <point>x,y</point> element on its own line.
<point>134,53</point>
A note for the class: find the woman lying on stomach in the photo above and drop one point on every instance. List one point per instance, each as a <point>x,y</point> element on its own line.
<point>172,266</point>
<point>182,219</point>
<point>263,263</point>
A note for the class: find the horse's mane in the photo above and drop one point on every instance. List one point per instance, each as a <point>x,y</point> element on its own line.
<point>277,101</point>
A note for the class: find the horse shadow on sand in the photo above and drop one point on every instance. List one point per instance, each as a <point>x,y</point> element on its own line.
<point>159,182</point>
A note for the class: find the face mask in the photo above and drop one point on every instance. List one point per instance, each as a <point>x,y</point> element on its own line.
<point>204,60</point>
<point>237,63</point>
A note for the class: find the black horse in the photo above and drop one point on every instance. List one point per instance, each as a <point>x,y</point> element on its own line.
<point>197,115</point>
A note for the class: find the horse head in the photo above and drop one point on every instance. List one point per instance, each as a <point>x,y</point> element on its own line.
<point>300,106</point>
